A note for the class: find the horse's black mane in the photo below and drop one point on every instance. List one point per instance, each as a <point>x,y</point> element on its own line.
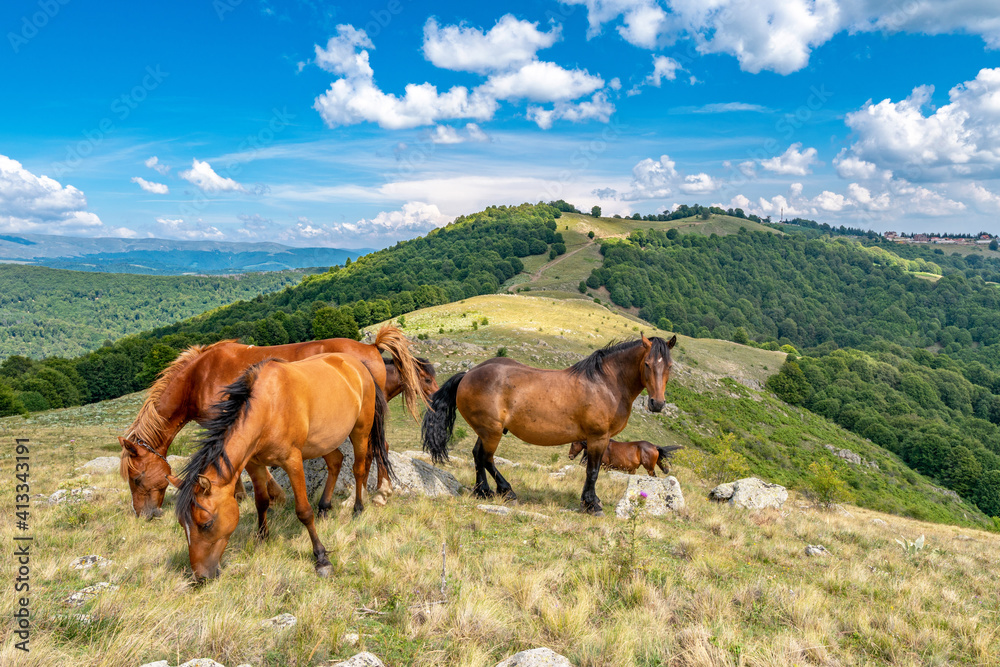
<point>212,449</point>
<point>592,367</point>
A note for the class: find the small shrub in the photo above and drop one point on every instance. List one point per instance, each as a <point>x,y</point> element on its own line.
<point>485,321</point>
<point>722,465</point>
<point>911,548</point>
<point>475,325</point>
<point>402,321</point>
<point>501,351</point>
<point>824,484</point>
<point>460,433</point>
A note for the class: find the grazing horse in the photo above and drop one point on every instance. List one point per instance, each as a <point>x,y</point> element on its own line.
<point>278,413</point>
<point>628,456</point>
<point>188,387</point>
<point>590,401</point>
<point>426,374</point>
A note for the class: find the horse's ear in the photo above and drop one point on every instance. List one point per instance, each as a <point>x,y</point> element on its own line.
<point>128,447</point>
<point>204,484</point>
<point>672,342</point>
<point>176,481</point>
<point>645,341</point>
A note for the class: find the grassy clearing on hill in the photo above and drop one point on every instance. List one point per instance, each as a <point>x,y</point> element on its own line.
<point>709,586</point>
<point>622,227</point>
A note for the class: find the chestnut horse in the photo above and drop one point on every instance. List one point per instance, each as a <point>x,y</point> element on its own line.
<point>189,386</point>
<point>628,456</point>
<point>278,413</point>
<point>591,401</point>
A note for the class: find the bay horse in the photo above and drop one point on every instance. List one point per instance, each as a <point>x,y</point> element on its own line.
<point>188,388</point>
<point>278,413</point>
<point>591,401</point>
<point>628,456</point>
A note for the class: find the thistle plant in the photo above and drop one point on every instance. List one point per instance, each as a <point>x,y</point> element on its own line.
<point>911,548</point>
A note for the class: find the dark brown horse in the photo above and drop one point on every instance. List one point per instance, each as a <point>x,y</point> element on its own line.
<point>278,413</point>
<point>591,401</point>
<point>628,456</point>
<point>186,390</point>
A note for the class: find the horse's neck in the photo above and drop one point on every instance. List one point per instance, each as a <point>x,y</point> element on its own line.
<point>174,406</point>
<point>624,371</point>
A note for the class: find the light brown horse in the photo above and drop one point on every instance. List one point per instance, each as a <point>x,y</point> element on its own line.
<point>278,413</point>
<point>188,387</point>
<point>591,401</point>
<point>628,456</point>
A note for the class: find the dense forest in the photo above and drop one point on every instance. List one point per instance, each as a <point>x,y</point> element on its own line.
<point>939,410</point>
<point>53,312</point>
<point>472,256</point>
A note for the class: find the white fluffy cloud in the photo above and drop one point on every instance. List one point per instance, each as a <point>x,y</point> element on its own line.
<point>204,177</point>
<point>155,164</point>
<point>958,140</point>
<point>179,229</point>
<point>779,35</point>
<point>515,75</point>
<point>663,68</point>
<point>794,161</point>
<point>445,134</point>
<point>149,186</point>
<point>466,49</point>
<point>654,179</point>
<point>30,203</point>
<point>596,108</point>
<point>413,219</point>
<point>541,82</point>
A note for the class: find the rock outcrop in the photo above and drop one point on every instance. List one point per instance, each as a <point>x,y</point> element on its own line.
<point>662,496</point>
<point>750,493</point>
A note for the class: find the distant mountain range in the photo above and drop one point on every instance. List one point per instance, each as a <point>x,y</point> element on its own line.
<point>164,256</point>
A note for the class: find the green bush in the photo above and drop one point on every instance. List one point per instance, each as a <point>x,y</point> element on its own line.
<point>825,486</point>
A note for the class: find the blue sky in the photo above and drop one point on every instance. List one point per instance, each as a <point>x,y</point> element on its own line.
<point>313,123</point>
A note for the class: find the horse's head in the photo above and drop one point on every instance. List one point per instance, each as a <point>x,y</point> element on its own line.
<point>575,448</point>
<point>209,517</point>
<point>428,378</point>
<point>655,369</point>
<point>146,473</point>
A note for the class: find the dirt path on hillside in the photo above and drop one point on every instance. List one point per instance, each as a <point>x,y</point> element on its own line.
<point>537,275</point>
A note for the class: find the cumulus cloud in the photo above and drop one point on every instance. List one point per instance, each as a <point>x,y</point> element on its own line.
<point>596,108</point>
<point>654,179</point>
<point>514,75</point>
<point>445,134</point>
<point>179,229</point>
<point>155,164</point>
<point>779,35</point>
<point>663,68</point>
<point>958,140</point>
<point>30,203</point>
<point>541,82</point>
<point>510,42</point>
<point>794,161</point>
<point>149,186</point>
<point>413,219</point>
<point>204,177</point>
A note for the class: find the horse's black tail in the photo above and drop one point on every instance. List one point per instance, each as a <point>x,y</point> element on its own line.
<point>665,453</point>
<point>376,440</point>
<point>439,420</point>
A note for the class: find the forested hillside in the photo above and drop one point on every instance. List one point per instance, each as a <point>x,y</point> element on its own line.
<point>472,256</point>
<point>47,312</point>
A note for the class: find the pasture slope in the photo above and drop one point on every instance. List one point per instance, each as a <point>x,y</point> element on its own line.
<point>710,585</point>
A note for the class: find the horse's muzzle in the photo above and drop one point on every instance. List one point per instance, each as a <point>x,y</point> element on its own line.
<point>655,406</point>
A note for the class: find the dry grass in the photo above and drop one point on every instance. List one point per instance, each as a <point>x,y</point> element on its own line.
<point>716,586</point>
<point>713,586</point>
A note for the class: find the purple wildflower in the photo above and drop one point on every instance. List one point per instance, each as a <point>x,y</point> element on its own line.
<point>642,494</point>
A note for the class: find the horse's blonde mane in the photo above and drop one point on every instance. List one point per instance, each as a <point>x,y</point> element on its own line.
<point>149,423</point>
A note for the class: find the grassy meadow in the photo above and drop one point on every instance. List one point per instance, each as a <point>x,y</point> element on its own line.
<point>710,585</point>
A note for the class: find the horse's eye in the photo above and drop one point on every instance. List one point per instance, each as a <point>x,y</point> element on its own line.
<point>137,481</point>
<point>207,525</point>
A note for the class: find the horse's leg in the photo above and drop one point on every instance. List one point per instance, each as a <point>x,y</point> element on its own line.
<point>383,488</point>
<point>488,448</point>
<point>303,510</point>
<point>274,490</point>
<point>362,464</point>
<point>595,453</point>
<point>334,460</point>
<point>262,498</point>
<point>482,488</point>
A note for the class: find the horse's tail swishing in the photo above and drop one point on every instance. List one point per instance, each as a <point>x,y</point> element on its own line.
<point>439,420</point>
<point>390,339</point>
<point>376,440</point>
<point>665,453</point>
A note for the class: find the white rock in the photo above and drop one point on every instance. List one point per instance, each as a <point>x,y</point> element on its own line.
<point>158,663</point>
<point>79,598</point>
<point>351,638</point>
<point>71,496</point>
<point>87,562</point>
<point>508,511</point>
<point>505,462</point>
<point>879,522</point>
<point>103,464</point>
<point>663,495</point>
<point>279,622</point>
<point>536,657</point>
<point>413,476</point>
<point>202,662</point>
<point>750,493</point>
<point>816,550</point>
<point>364,659</point>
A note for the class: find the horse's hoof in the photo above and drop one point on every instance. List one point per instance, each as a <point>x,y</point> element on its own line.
<point>379,500</point>
<point>324,571</point>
